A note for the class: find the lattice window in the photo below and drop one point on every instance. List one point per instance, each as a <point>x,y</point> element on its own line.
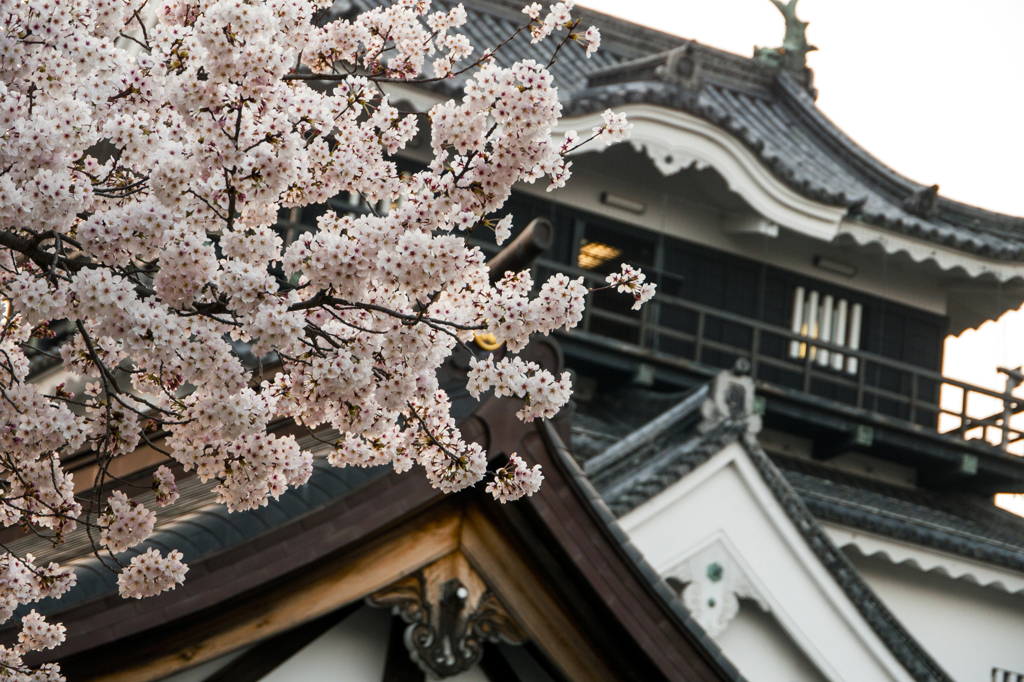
<point>826,318</point>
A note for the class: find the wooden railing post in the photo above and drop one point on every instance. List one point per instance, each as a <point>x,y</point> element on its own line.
<point>1014,377</point>
<point>963,413</point>
<point>913,396</point>
<point>807,370</point>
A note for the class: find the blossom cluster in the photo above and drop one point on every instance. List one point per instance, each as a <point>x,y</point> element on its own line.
<point>542,394</point>
<point>35,635</point>
<point>126,523</point>
<point>511,315</point>
<point>515,479</point>
<point>141,181</point>
<point>164,486</point>
<point>632,281</point>
<point>151,573</point>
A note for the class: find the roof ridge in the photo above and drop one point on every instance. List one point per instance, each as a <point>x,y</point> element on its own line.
<point>876,170</point>
<point>648,432</point>
<point>907,650</point>
<point>615,32</point>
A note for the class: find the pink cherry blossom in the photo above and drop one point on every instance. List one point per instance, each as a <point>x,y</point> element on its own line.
<point>160,254</point>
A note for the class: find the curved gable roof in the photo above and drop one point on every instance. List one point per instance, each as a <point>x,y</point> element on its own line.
<point>775,117</point>
<point>766,108</point>
<point>673,445</point>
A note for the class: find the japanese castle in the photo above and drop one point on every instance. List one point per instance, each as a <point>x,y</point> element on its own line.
<point>764,475</point>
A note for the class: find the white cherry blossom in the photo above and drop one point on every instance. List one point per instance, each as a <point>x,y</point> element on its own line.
<point>630,280</point>
<point>515,480</point>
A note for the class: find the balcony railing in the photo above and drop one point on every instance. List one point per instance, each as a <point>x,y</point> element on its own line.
<point>1003,675</point>
<point>716,338</point>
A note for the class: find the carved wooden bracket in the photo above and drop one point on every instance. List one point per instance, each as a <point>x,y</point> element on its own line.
<point>450,613</point>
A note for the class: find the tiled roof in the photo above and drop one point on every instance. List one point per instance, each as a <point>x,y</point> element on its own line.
<point>950,523</point>
<point>196,525</point>
<point>958,523</point>
<point>670,446</point>
<point>769,110</point>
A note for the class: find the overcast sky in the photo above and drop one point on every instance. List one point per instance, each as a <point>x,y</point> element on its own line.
<point>933,89</point>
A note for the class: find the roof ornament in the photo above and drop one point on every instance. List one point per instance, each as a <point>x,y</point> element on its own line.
<point>731,400</point>
<point>450,613</point>
<point>792,56</point>
<point>924,203</point>
<point>711,583</point>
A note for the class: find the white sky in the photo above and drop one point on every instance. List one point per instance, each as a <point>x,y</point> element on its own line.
<point>932,88</point>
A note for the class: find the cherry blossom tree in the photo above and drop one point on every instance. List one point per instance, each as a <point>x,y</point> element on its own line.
<point>145,152</point>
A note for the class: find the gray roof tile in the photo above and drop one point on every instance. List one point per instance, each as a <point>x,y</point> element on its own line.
<point>951,523</point>
<point>768,110</point>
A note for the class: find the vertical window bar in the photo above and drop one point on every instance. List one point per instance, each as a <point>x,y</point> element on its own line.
<point>825,333</point>
<point>811,324</point>
<point>853,342</point>
<point>798,321</point>
<point>839,332</point>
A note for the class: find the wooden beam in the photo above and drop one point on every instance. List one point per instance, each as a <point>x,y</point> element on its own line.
<point>441,533</point>
<point>527,598</point>
<point>335,584</point>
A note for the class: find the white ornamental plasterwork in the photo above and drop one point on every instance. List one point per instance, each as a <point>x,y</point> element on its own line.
<point>675,140</point>
<point>715,582</point>
<point>731,399</point>
<point>668,160</point>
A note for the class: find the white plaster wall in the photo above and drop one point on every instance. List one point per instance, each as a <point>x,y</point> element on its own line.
<point>758,646</point>
<point>727,497</point>
<point>967,628</point>
<point>354,650</point>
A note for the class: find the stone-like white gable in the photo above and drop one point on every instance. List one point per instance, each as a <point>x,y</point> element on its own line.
<point>723,512</point>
